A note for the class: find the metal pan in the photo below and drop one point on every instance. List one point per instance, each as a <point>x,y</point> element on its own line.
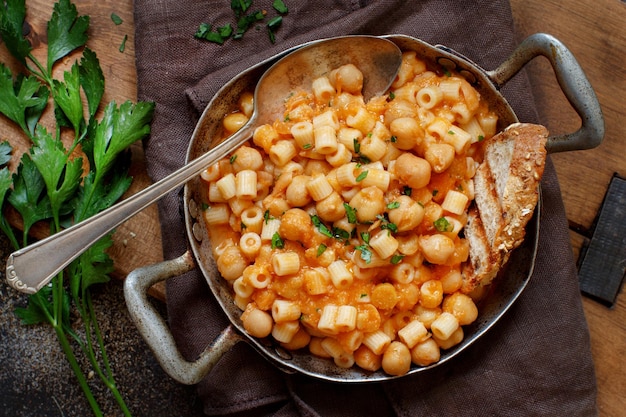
<point>510,284</point>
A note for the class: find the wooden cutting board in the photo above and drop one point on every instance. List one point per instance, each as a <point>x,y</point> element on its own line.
<point>137,242</point>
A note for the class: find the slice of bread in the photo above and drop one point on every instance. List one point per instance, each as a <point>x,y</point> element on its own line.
<point>506,195</point>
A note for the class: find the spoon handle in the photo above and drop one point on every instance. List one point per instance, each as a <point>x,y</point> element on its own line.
<point>31,268</point>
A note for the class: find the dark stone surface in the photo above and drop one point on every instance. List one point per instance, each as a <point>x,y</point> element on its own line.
<point>36,379</point>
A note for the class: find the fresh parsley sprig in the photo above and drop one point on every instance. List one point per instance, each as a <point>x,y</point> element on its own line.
<point>50,183</point>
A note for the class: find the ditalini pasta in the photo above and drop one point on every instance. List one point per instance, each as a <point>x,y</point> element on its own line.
<point>339,225</point>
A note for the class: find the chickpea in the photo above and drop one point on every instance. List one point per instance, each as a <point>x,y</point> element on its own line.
<point>367,359</point>
<point>368,202</point>
<point>407,131</point>
<point>440,156</point>
<point>296,225</point>
<point>296,193</point>
<point>234,121</point>
<point>462,307</point>
<point>413,170</point>
<point>437,248</point>
<point>257,323</point>
<point>347,78</point>
<point>396,359</point>
<point>247,157</point>
<point>331,208</point>
<point>231,263</point>
<point>408,215</point>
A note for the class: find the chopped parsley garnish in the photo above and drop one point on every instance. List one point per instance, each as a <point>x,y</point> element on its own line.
<point>277,241</point>
<point>357,146</point>
<point>450,132</point>
<point>443,225</point>
<point>280,7</point>
<point>321,249</point>
<point>435,192</point>
<point>481,138</point>
<point>272,27</point>
<point>266,216</point>
<point>350,213</point>
<point>233,159</point>
<point>366,254</point>
<point>366,237</point>
<point>307,146</point>
<point>396,259</point>
<point>341,234</point>
<point>361,176</point>
<point>392,95</point>
<point>321,227</point>
<point>406,190</point>
<point>393,205</point>
<point>116,19</point>
<point>220,35</point>
<point>244,21</point>
<point>386,224</point>
<point>393,139</point>
<point>123,44</point>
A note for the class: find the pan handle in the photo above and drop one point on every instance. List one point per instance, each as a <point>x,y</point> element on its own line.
<point>573,83</point>
<point>155,331</point>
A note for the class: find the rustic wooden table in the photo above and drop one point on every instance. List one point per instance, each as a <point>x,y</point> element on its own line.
<point>593,30</point>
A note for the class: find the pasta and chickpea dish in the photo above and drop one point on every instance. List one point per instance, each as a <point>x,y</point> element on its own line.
<point>338,226</point>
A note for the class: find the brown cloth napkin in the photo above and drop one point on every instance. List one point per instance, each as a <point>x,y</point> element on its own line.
<point>535,361</point>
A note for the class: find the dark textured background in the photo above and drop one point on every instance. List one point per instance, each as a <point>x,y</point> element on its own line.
<point>36,380</point>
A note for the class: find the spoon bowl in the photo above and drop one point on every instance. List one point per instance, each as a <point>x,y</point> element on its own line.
<point>378,59</point>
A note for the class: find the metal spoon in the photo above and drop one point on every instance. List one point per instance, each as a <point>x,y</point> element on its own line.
<point>31,268</point>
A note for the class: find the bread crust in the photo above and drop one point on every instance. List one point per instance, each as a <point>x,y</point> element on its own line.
<point>506,194</point>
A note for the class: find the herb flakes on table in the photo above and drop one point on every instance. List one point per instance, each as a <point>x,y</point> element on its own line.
<point>244,21</point>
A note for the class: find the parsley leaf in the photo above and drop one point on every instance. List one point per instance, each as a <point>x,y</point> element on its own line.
<point>119,128</point>
<point>24,101</point>
<point>28,196</point>
<point>67,97</point>
<point>393,205</point>
<point>38,310</point>
<point>91,80</point>
<point>5,152</point>
<point>92,267</point>
<point>66,31</point>
<point>12,15</point>
<point>61,176</point>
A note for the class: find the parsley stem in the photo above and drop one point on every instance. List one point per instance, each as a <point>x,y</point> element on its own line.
<point>42,73</point>
<point>91,327</point>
